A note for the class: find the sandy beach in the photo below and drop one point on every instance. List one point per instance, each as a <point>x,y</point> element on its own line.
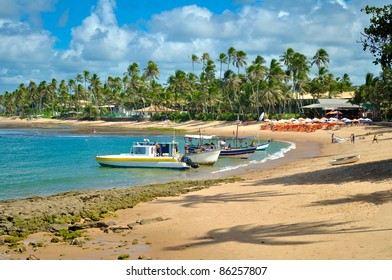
<point>299,208</point>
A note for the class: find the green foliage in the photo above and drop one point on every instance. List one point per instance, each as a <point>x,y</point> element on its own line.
<point>179,116</point>
<point>107,203</point>
<point>377,36</point>
<point>228,117</point>
<point>206,116</point>
<point>90,113</point>
<point>283,116</point>
<point>173,116</point>
<point>123,257</point>
<point>37,244</point>
<point>54,240</point>
<point>69,235</point>
<point>12,240</point>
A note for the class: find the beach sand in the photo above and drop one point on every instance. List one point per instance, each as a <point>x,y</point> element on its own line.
<point>301,208</point>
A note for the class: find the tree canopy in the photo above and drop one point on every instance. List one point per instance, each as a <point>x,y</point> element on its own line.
<point>377,37</point>
<point>241,88</point>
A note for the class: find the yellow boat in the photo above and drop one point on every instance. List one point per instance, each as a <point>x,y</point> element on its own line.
<point>148,155</point>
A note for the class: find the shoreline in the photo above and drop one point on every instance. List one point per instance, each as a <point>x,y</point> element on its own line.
<point>152,128</point>
<point>304,209</point>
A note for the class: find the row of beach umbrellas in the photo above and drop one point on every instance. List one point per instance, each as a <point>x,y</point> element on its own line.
<point>308,124</point>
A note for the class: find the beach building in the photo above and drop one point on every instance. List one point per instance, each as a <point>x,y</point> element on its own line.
<point>340,107</point>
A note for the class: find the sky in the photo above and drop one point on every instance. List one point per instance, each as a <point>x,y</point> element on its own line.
<point>45,39</point>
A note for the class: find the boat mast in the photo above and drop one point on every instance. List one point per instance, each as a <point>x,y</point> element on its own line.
<point>201,140</point>
<point>236,134</point>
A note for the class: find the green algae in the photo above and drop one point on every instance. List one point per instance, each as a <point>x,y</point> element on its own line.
<point>49,213</point>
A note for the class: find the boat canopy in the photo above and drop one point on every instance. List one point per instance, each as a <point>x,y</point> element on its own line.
<point>196,136</point>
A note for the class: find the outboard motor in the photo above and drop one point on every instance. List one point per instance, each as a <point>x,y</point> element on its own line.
<point>189,162</point>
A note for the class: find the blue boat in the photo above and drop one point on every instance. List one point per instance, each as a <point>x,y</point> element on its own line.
<point>237,151</point>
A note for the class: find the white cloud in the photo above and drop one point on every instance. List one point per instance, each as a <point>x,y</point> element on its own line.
<point>99,38</point>
<point>23,50</point>
<point>102,46</point>
<point>283,14</point>
<point>180,23</point>
<point>342,3</point>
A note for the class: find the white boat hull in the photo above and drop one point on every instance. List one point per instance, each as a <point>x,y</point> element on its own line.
<point>262,147</point>
<point>345,160</point>
<point>208,157</point>
<point>129,160</point>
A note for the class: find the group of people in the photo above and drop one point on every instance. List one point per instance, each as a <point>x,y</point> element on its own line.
<point>352,138</point>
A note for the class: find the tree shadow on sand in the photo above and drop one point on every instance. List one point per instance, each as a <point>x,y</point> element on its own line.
<point>272,235</point>
<point>376,198</point>
<point>194,199</point>
<point>376,171</point>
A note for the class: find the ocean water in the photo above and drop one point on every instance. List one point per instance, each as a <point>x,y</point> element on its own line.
<point>42,162</point>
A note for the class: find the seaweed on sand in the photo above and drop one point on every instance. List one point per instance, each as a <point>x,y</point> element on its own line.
<point>54,213</point>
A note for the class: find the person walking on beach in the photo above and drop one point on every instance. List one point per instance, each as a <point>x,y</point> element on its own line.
<point>333,138</point>
<point>375,138</point>
<point>352,138</point>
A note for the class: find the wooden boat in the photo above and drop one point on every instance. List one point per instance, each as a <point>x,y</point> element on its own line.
<point>200,152</point>
<point>345,160</point>
<point>212,142</point>
<point>204,157</point>
<point>149,155</point>
<point>228,151</point>
<point>262,147</point>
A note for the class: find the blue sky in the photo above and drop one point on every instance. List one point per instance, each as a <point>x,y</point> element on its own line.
<point>46,39</point>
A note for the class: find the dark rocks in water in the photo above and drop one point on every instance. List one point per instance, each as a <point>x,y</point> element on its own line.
<point>90,225</point>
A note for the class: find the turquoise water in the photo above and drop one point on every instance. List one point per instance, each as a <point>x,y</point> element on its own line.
<point>41,162</point>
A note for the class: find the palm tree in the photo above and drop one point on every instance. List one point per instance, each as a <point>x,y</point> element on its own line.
<point>231,53</point>
<point>256,73</point>
<point>239,60</point>
<point>133,70</point>
<point>72,87</point>
<point>206,78</point>
<point>133,85</point>
<point>287,57</point>
<point>86,75</point>
<point>112,91</point>
<point>52,92</point>
<point>223,59</point>
<point>151,72</point>
<point>232,86</point>
<point>96,88</point>
<point>204,58</point>
<point>33,94</point>
<point>194,59</point>
<point>78,79</point>
<point>298,69</point>
<point>178,86</point>
<point>321,58</point>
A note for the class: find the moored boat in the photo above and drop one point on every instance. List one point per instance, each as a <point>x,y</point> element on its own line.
<point>262,147</point>
<point>199,151</point>
<point>228,151</point>
<point>149,155</point>
<point>204,157</point>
